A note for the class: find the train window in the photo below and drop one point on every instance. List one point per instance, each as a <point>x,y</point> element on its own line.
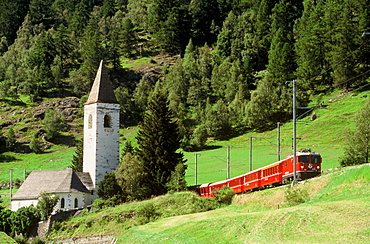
<point>315,159</point>
<point>303,159</point>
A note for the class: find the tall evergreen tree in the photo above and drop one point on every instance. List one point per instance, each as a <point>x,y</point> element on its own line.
<point>310,46</point>
<point>158,142</point>
<point>169,21</point>
<point>11,18</point>
<point>203,13</point>
<point>91,53</point>
<point>78,158</point>
<point>128,38</point>
<point>342,37</point>
<point>262,38</point>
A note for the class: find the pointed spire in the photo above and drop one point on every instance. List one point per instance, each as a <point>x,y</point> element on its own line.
<point>102,90</point>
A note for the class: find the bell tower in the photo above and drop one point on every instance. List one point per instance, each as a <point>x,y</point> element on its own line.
<point>101,128</point>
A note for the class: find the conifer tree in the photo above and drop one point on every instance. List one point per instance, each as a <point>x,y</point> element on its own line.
<point>127,38</point>
<point>309,46</point>
<point>78,159</point>
<point>158,141</point>
<point>262,38</point>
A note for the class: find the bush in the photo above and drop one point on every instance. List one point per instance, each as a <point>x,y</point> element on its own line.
<point>99,204</point>
<point>46,205</point>
<point>295,196</point>
<point>10,139</point>
<point>224,196</point>
<point>35,144</point>
<point>147,213</point>
<point>53,123</point>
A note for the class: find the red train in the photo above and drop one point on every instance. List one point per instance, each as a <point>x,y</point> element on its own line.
<point>308,165</point>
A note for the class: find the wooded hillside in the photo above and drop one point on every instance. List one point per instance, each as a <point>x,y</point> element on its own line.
<point>232,57</point>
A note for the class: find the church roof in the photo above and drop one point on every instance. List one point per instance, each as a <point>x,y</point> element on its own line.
<point>53,181</point>
<point>102,90</point>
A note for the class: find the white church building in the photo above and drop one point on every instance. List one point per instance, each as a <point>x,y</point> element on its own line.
<point>101,155</point>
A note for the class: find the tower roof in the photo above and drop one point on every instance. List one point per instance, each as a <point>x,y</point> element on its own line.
<point>102,90</point>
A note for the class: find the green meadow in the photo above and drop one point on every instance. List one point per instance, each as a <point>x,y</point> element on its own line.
<point>325,135</point>
<point>334,209</point>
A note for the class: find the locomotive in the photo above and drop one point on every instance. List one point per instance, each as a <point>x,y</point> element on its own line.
<point>308,165</point>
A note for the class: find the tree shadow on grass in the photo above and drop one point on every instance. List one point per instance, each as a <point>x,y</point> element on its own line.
<point>13,102</point>
<point>64,140</point>
<point>7,158</point>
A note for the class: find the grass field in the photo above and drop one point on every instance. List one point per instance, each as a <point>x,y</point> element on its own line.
<point>324,135</point>
<point>335,210</point>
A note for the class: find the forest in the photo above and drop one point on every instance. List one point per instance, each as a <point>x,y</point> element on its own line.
<point>232,57</point>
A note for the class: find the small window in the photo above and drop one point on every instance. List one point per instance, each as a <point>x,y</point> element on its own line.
<point>89,122</point>
<point>303,159</point>
<point>62,203</point>
<point>107,121</point>
<point>315,159</point>
<point>76,202</point>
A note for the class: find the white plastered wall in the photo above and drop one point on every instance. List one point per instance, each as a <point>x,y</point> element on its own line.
<point>101,144</point>
<point>17,204</point>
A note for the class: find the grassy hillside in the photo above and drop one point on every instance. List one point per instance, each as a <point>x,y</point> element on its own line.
<point>324,135</point>
<point>335,211</point>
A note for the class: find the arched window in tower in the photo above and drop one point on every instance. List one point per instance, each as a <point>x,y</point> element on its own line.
<point>107,121</point>
<point>76,202</point>
<point>89,122</point>
<point>62,203</point>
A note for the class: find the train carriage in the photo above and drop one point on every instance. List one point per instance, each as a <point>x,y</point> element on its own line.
<point>236,183</point>
<point>308,165</point>
<point>251,180</point>
<point>271,175</point>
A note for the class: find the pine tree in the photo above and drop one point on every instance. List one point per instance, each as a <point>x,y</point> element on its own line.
<point>128,38</point>
<point>158,141</point>
<point>109,188</point>
<point>310,46</point>
<point>78,159</point>
<point>342,35</point>
<point>91,54</point>
<point>262,37</point>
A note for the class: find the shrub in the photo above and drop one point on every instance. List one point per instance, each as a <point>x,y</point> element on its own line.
<point>295,196</point>
<point>99,204</point>
<point>147,213</point>
<point>46,204</point>
<point>53,123</point>
<point>224,196</point>
<point>35,144</point>
<point>10,139</point>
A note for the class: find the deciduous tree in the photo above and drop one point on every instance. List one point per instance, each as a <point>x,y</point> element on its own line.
<point>357,149</point>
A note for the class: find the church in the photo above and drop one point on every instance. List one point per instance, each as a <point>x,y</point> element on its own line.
<point>100,155</point>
